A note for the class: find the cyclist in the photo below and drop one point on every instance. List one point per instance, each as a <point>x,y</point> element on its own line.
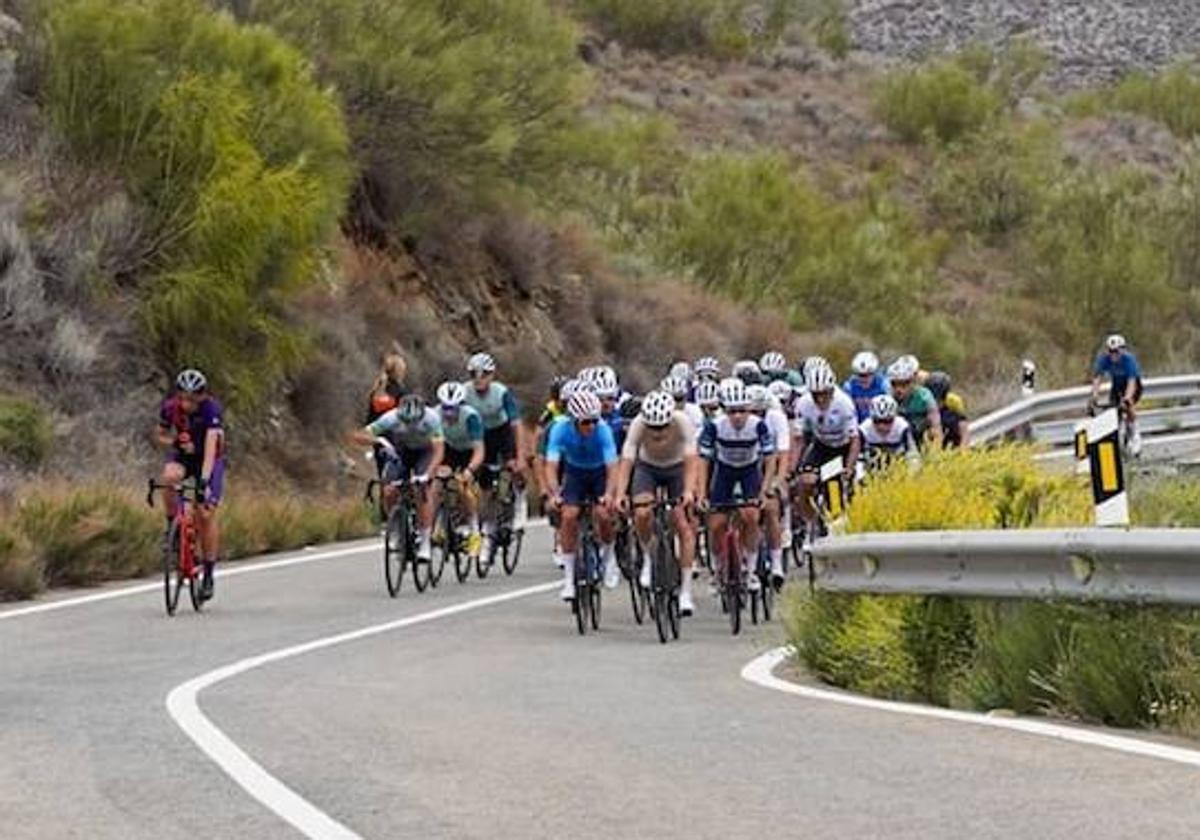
<point>866,384</point>
<point>829,423</point>
<point>192,432</point>
<point>1118,364</point>
<point>462,430</point>
<point>765,406</point>
<point>677,387</point>
<point>917,405</point>
<point>784,394</point>
<point>584,445</point>
<point>415,431</point>
<point>707,369</point>
<point>749,372</point>
<point>502,438</point>
<point>661,451</point>
<point>886,436</point>
<point>773,365</point>
<point>735,447</point>
<point>604,385</point>
<point>708,398</point>
<point>953,411</point>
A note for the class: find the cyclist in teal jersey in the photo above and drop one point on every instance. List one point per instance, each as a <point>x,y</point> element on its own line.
<point>462,428</point>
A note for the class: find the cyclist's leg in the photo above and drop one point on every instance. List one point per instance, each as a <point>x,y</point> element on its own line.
<point>492,460</point>
<point>209,525</point>
<point>575,489</point>
<point>773,524</point>
<point>641,490</point>
<point>172,473</point>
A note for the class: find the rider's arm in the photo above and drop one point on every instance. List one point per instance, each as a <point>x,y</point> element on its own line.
<point>934,416</point>
<point>165,436</point>
<point>438,447</point>
<point>383,424</point>
<point>554,449</point>
<point>513,413</point>
<point>212,444</point>
<point>855,451</point>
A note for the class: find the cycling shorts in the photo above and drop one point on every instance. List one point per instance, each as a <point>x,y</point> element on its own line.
<point>1116,393</point>
<point>458,459</point>
<point>731,483</point>
<point>581,485</point>
<point>409,462</point>
<point>499,447</point>
<point>191,469</point>
<point>648,478</point>
<point>819,454</point>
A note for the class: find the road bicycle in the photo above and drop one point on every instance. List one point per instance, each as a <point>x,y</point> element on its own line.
<point>504,542</point>
<point>400,530</point>
<point>589,574</point>
<point>181,545</point>
<point>449,543</point>
<point>630,560</point>
<point>730,580</point>
<point>664,568</point>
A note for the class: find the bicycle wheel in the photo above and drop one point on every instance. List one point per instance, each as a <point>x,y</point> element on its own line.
<point>422,570</point>
<point>462,565</point>
<point>395,550</point>
<point>483,563</point>
<point>512,555</point>
<point>595,581</point>
<point>594,610</point>
<point>172,579</point>
<point>735,609</point>
<point>673,613</point>
<point>768,593</point>
<point>445,541</point>
<point>662,614</point>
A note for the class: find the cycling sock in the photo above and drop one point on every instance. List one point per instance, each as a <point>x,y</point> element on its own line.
<point>426,534</point>
<point>776,557</point>
<point>475,524</point>
<point>569,566</point>
<point>685,579</point>
<point>607,551</point>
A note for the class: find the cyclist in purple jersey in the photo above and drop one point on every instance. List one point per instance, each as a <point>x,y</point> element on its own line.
<point>191,432</point>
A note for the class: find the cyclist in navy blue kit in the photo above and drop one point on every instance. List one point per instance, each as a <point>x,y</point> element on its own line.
<point>1121,366</point>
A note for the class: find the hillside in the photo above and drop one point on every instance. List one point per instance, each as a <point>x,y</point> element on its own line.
<point>281,191</point>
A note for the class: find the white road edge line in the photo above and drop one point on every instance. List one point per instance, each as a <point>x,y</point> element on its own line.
<point>241,568</point>
<point>246,772</point>
<point>760,671</point>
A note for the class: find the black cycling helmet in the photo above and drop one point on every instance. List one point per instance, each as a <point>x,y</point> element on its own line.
<point>938,384</point>
<point>631,408</point>
<point>556,386</point>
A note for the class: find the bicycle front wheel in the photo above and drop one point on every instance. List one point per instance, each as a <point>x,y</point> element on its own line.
<point>395,550</point>
<point>662,615</point>
<point>172,579</point>
<point>512,554</point>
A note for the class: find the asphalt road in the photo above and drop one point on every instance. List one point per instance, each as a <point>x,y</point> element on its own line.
<point>501,722</point>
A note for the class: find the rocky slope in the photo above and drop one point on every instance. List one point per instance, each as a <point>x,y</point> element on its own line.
<point>1091,40</point>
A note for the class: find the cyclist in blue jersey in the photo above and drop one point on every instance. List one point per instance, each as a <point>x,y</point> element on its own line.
<point>585,447</point>
<point>734,449</point>
<point>866,384</point>
<point>462,432</point>
<point>1121,366</point>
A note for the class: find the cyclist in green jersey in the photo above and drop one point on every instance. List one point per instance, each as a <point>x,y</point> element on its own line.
<point>917,405</point>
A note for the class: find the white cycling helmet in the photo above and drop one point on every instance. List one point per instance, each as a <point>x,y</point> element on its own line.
<point>813,362</point>
<point>772,362</point>
<point>707,366</point>
<point>912,361</point>
<point>1116,341</point>
<point>412,408</point>
<point>451,394</point>
<point>759,396</point>
<point>782,390</point>
<point>676,386</point>
<point>708,394</point>
<point>819,379</point>
<point>569,388</point>
<point>681,369</point>
<point>733,393</point>
<point>865,363</point>
<point>191,381</point>
<point>658,409</point>
<point>884,407</point>
<point>604,383</point>
<point>481,363</point>
<point>584,405</point>
<point>903,369</point>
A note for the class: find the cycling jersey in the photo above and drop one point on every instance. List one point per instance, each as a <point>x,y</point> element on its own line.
<point>832,426</point>
<point>896,438</point>
<point>465,431</point>
<point>662,447</point>
<point>579,451</point>
<point>194,426</point>
<point>1120,370</point>
<point>419,435</point>
<point>915,409</point>
<point>618,424</point>
<point>550,414</point>
<point>863,394</point>
<point>496,405</point>
<point>781,427</point>
<point>726,445</point>
<point>695,415</point>
<point>954,415</point>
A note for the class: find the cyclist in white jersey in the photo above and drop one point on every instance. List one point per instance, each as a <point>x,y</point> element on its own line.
<point>678,388</point>
<point>886,436</point>
<point>830,426</point>
<point>766,406</point>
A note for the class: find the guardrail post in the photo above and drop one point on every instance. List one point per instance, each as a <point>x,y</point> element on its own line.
<point>1108,477</point>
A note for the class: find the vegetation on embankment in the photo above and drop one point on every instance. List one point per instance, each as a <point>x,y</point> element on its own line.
<point>77,535</point>
<point>1120,665</point>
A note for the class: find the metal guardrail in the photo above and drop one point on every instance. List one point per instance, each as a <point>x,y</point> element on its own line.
<point>1019,415</point>
<point>1145,566</point>
<point>1154,422</point>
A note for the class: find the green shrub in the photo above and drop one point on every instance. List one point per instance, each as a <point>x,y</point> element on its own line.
<point>1098,260</point>
<point>941,99</point>
<point>719,27</point>
<point>757,229</point>
<point>1010,71</point>
<point>20,567</point>
<point>25,432</point>
<point>1014,642</point>
<point>240,156</point>
<point>1172,97</point>
<point>992,184</point>
<point>448,103</point>
<point>1166,503</point>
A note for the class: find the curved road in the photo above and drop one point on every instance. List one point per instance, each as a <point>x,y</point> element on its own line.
<point>500,722</point>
